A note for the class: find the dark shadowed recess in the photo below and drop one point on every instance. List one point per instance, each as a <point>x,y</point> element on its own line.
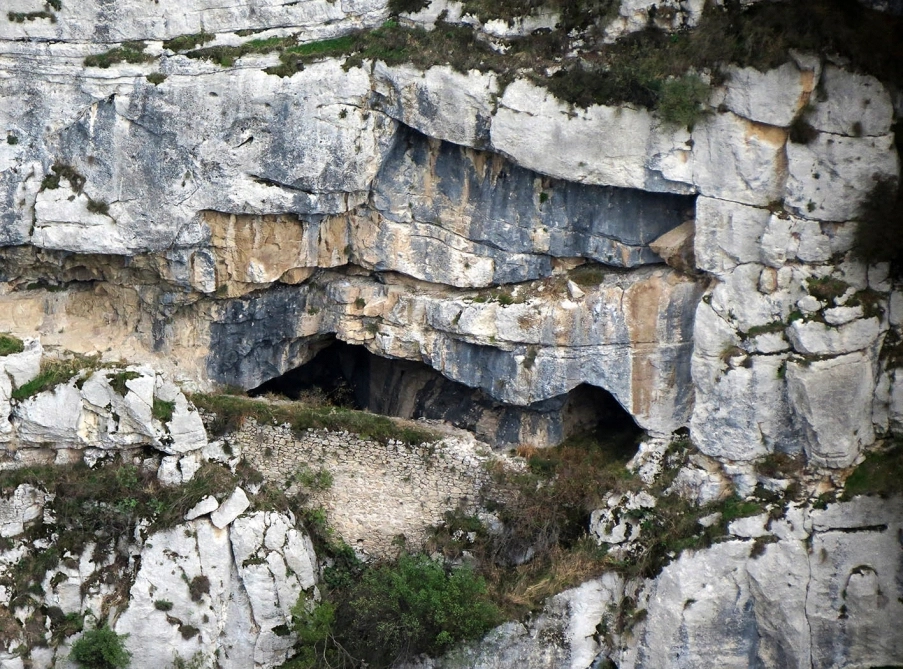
<point>351,376</point>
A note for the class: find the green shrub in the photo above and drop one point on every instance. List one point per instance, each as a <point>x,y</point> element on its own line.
<point>119,380</point>
<point>11,139</point>
<point>100,648</point>
<point>162,410</point>
<point>681,101</point>
<point>198,587</point>
<point>53,373</point>
<point>881,473</point>
<point>163,605</point>
<point>21,17</point>
<point>62,170</point>
<point>156,78</point>
<point>10,344</point>
<point>398,610</point>
<point>801,131</point>
<point>827,288</point>
<point>98,206</point>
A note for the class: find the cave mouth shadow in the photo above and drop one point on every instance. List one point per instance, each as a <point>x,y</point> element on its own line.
<point>349,376</point>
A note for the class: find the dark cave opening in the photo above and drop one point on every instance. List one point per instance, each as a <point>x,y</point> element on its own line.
<point>349,375</point>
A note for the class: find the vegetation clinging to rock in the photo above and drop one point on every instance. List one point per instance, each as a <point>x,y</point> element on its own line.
<point>101,648</point>
<point>10,344</point>
<point>230,410</point>
<point>393,611</point>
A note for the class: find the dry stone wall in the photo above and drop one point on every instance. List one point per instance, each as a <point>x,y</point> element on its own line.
<point>379,492</point>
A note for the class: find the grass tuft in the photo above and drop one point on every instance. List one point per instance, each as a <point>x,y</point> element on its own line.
<point>881,473</point>
<point>10,344</point>
<point>231,410</point>
<point>129,52</point>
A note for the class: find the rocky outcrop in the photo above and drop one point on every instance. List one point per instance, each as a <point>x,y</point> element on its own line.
<point>814,588</point>
<point>506,185</point>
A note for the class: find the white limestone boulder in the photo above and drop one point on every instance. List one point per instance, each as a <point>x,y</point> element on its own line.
<point>728,234</point>
<point>186,598</point>
<point>773,97</point>
<point>831,400</point>
<point>851,104</point>
<point>830,177</point>
<point>815,338</point>
<point>738,160</point>
<point>740,413</point>
<point>22,507</point>
<point>439,102</point>
<point>202,508</point>
<point>598,145</point>
<point>851,607</point>
<point>233,506</point>
<point>276,564</point>
<point>51,416</point>
<point>25,366</point>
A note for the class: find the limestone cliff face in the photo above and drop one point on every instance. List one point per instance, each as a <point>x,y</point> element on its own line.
<point>218,184</point>
<point>219,224</point>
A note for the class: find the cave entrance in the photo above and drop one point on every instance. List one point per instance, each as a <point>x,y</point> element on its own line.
<point>350,376</point>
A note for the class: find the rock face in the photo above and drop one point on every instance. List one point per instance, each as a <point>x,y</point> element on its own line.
<point>101,413</point>
<point>811,590</point>
<point>253,571</point>
<point>217,223</point>
<point>437,182</point>
<point>736,605</point>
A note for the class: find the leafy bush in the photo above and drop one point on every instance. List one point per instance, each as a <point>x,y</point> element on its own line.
<point>10,344</point>
<point>198,587</point>
<point>162,410</point>
<point>395,611</point>
<point>681,101</point>
<point>119,380</point>
<point>101,648</point>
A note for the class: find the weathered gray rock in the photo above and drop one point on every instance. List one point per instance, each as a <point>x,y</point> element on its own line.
<point>831,401</point>
<point>202,508</point>
<point>830,177</point>
<point>24,505</point>
<point>235,505</point>
<point>851,104</point>
<point>439,102</point>
<point>483,344</point>
<point>814,338</point>
<point>774,97</point>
